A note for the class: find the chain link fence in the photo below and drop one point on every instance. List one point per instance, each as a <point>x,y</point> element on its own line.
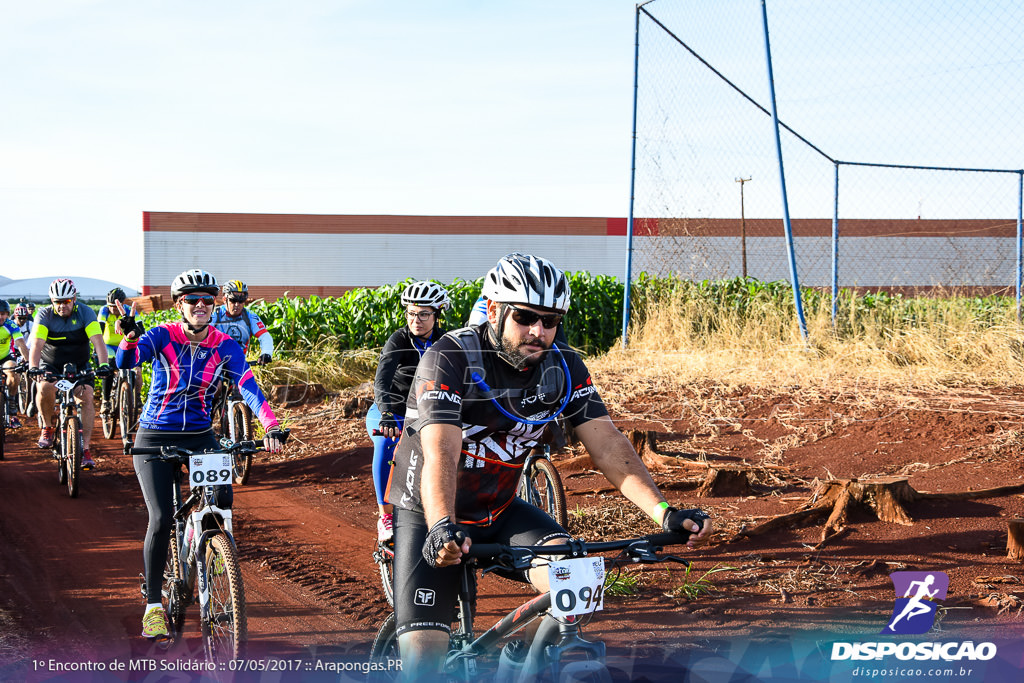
<point>899,130</point>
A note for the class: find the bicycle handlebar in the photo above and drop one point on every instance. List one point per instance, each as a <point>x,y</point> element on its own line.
<point>641,549</point>
<point>179,453</point>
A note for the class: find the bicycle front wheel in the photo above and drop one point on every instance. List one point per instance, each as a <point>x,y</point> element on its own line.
<point>109,419</point>
<point>243,431</point>
<point>224,627</point>
<point>73,454</point>
<point>384,556</point>
<point>3,421</point>
<point>26,397</point>
<point>542,486</point>
<point>385,663</point>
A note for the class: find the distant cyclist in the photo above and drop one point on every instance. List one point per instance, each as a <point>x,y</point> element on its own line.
<point>479,403</point>
<point>189,357</point>
<point>240,323</point>
<point>61,334</point>
<point>111,330</point>
<point>11,340</point>
<point>423,302</point>
<point>23,317</point>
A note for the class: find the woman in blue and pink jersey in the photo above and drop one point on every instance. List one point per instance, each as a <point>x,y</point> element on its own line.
<point>189,358</point>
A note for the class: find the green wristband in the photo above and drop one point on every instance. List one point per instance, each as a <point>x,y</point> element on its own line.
<point>660,507</point>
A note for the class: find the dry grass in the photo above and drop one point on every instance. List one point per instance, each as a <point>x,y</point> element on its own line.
<point>687,342</point>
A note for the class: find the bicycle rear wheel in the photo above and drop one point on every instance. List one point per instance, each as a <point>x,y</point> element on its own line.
<point>126,410</point>
<point>243,432</point>
<point>385,663</point>
<point>224,630</point>
<point>73,455</point>
<point>172,593</point>
<point>541,486</point>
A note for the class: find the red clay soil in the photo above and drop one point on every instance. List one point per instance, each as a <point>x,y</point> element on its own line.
<point>69,570</point>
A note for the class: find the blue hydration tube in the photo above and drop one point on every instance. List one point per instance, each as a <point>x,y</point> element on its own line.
<point>479,381</point>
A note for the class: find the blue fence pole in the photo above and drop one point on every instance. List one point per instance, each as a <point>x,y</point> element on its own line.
<point>782,179</point>
<point>1020,211</point>
<point>632,184</point>
<point>835,249</point>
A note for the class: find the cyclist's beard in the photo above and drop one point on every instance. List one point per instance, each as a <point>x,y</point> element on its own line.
<point>510,353</point>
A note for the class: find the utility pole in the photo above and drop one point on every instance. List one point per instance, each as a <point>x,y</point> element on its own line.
<point>743,226</point>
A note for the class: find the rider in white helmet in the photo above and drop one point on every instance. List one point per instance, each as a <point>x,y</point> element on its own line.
<point>423,301</point>
<point>480,402</point>
<point>61,336</point>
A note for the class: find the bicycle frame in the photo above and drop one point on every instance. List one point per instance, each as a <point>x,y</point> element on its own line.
<point>555,637</point>
<point>198,508</point>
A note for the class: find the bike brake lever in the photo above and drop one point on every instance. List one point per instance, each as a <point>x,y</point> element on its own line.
<point>675,558</point>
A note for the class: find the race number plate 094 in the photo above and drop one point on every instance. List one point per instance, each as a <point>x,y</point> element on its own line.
<point>577,586</point>
<point>209,470</point>
<point>64,385</point>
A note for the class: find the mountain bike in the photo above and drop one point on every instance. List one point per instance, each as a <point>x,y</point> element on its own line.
<point>68,442</point>
<point>539,485</point>
<point>557,651</point>
<point>123,411</point>
<point>202,553</point>
<point>235,419</point>
<point>5,416</point>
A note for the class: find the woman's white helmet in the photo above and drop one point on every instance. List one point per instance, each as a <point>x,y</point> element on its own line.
<point>425,293</point>
<point>530,280</point>
<point>194,280</point>
<point>63,288</point>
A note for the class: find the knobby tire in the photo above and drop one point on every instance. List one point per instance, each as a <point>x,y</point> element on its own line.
<point>126,409</point>
<point>243,431</point>
<point>61,443</point>
<point>384,651</point>
<point>108,419</point>
<point>542,486</point>
<point>224,635</point>
<point>73,456</point>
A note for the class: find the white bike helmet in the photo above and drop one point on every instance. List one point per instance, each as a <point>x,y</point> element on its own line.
<point>63,288</point>
<point>425,293</point>
<point>194,280</point>
<point>530,280</point>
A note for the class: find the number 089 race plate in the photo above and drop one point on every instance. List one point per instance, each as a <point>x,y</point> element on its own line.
<point>209,470</point>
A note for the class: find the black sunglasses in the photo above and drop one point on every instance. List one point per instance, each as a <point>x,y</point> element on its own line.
<point>237,299</point>
<point>193,299</point>
<point>527,318</point>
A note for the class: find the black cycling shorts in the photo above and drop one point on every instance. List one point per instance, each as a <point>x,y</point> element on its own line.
<point>425,596</point>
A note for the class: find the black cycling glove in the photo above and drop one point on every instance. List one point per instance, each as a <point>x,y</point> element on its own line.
<point>130,326</point>
<point>263,359</point>
<point>387,421</point>
<point>444,530</point>
<point>674,518</point>
<point>104,370</point>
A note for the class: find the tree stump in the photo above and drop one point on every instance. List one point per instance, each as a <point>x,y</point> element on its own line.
<point>886,497</point>
<point>725,482</point>
<point>1015,539</point>
<point>646,446</point>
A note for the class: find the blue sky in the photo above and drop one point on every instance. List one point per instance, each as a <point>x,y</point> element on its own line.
<point>471,107</point>
<point>115,107</point>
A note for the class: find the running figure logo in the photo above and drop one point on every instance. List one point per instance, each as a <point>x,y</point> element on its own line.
<point>917,596</point>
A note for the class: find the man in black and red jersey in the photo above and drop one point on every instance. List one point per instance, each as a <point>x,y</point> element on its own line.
<point>479,403</point>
